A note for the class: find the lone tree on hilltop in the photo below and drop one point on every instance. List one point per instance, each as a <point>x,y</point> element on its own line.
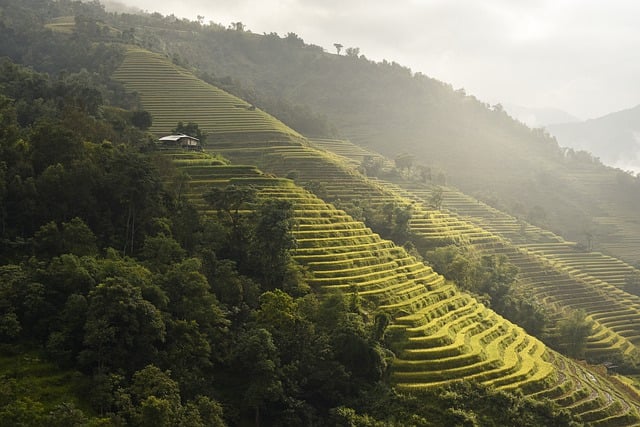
<point>237,26</point>
<point>338,47</point>
<point>353,51</point>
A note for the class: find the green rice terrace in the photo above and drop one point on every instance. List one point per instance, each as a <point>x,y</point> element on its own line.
<point>557,272</point>
<point>447,334</point>
<point>440,334</point>
<point>173,94</point>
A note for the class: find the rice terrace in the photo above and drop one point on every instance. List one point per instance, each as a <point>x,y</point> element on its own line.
<point>205,226</point>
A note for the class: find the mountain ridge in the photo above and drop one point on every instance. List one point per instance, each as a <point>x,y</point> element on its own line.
<point>614,138</point>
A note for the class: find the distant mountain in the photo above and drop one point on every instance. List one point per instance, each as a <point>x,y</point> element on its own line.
<point>614,138</point>
<point>539,117</point>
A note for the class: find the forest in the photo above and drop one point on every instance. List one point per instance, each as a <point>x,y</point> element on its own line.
<point>124,302</point>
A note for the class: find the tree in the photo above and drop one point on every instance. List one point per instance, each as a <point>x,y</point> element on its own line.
<point>228,202</point>
<point>257,366</point>
<point>191,298</point>
<point>123,330</point>
<point>424,173</point>
<point>400,232</point>
<point>273,239</point>
<point>54,143</point>
<point>9,326</point>
<point>65,343</point>
<point>77,238</point>
<point>353,52</point>
<point>436,198</point>
<point>3,195</point>
<point>372,166</point>
<point>404,162</point>
<point>294,38</point>
<point>152,381</point>
<point>237,26</point>
<point>191,129</point>
<point>632,283</point>
<point>160,252</point>
<point>338,47</point>
<point>574,330</point>
<point>131,194</point>
<point>141,119</point>
<point>589,238</point>
<point>188,354</point>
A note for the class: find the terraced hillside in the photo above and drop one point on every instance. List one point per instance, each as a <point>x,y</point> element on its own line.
<point>616,228</point>
<point>447,334</point>
<point>172,94</point>
<point>551,268</point>
<point>562,273</point>
<point>310,167</point>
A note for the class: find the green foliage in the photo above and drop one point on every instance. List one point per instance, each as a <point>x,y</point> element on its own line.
<point>492,279</point>
<point>191,129</point>
<point>436,198</point>
<point>123,330</point>
<point>141,119</point>
<point>632,283</point>
<point>161,251</point>
<point>460,403</point>
<point>390,220</point>
<point>574,330</point>
<point>74,238</point>
<point>372,166</point>
<point>52,174</point>
<point>272,241</point>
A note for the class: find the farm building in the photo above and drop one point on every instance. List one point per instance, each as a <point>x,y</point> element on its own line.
<point>180,140</point>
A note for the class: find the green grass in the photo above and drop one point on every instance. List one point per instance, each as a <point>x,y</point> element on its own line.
<point>28,374</point>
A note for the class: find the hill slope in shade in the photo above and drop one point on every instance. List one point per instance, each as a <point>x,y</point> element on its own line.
<point>614,138</point>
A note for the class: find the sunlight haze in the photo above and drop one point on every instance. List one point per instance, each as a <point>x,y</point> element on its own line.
<point>575,56</point>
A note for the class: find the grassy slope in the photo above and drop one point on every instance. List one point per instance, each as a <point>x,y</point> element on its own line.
<point>340,253</point>
<point>27,375</point>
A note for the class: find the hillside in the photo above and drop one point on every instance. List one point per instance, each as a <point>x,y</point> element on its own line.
<point>390,109</point>
<point>268,280</point>
<point>217,113</point>
<point>613,138</point>
<point>450,335</point>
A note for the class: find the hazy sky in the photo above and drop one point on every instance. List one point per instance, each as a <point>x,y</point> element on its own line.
<point>581,56</point>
